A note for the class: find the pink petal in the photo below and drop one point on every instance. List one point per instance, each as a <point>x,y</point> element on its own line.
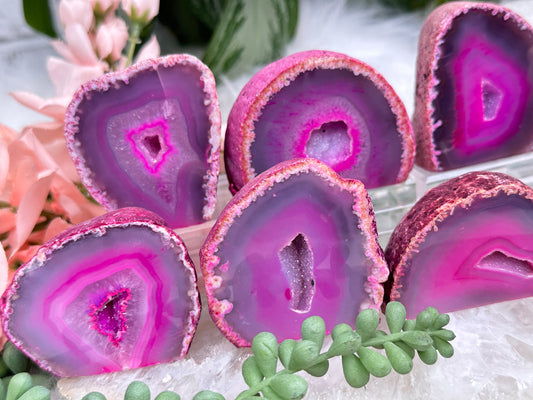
<point>55,227</point>
<point>67,77</point>
<point>75,205</point>
<point>29,210</point>
<point>76,12</point>
<point>24,174</point>
<point>79,43</point>
<point>4,270</point>
<point>150,49</point>
<point>7,220</point>
<point>7,135</point>
<point>64,51</point>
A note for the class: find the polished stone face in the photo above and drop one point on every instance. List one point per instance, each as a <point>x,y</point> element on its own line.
<point>475,252</point>
<point>145,141</point>
<point>484,98</point>
<point>336,117</point>
<point>114,298</point>
<point>298,249</point>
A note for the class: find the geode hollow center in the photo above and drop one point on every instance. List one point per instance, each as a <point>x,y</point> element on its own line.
<point>296,241</point>
<point>297,265</point>
<point>116,292</point>
<point>149,136</point>
<point>474,97</point>
<point>108,317</point>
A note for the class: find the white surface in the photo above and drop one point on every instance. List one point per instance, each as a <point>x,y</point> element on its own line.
<point>494,347</point>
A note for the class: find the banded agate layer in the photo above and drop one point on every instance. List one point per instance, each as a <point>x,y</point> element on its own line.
<point>466,243</point>
<point>322,105</point>
<point>296,241</point>
<point>474,98</point>
<point>149,136</point>
<point>114,293</point>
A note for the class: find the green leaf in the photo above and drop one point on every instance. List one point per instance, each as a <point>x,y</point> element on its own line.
<point>354,371</point>
<point>38,16</point>
<point>250,372</point>
<point>265,348</point>
<point>289,386</point>
<point>251,32</point>
<point>137,390</point>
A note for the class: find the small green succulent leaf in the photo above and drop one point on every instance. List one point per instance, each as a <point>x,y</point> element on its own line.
<point>36,393</point>
<point>304,355</point>
<point>314,329</point>
<point>400,360</point>
<point>250,372</point>
<point>94,396</point>
<point>395,315</point>
<point>18,384</point>
<point>285,351</point>
<point>289,386</point>
<point>208,395</point>
<point>265,348</point>
<point>366,323</point>
<point>354,371</point>
<point>137,390</point>
<point>376,363</point>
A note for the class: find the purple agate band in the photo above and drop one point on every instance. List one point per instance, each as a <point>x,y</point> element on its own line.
<point>259,92</point>
<point>373,269</point>
<point>141,321</point>
<point>123,166</point>
<point>486,216</point>
<point>454,135</point>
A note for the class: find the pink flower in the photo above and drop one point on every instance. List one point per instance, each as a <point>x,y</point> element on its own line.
<point>103,7</point>
<point>141,10</point>
<point>111,37</point>
<point>76,12</point>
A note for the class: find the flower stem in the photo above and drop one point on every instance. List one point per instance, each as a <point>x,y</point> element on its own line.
<point>133,40</point>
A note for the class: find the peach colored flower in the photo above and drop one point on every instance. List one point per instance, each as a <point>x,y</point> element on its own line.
<point>76,12</point>
<point>111,38</point>
<point>141,10</point>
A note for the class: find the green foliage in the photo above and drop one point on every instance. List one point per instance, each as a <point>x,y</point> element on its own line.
<point>38,16</point>
<point>137,390</point>
<point>410,5</point>
<point>251,32</point>
<point>359,350</point>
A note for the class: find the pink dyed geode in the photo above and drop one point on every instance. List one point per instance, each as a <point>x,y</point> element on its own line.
<point>296,241</point>
<point>323,105</point>
<point>115,292</point>
<point>474,98</point>
<point>149,136</point>
<point>465,243</point>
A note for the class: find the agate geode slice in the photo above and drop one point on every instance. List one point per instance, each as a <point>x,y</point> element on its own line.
<point>465,243</point>
<point>116,292</point>
<point>149,136</point>
<point>296,241</point>
<point>474,99</point>
<point>323,105</point>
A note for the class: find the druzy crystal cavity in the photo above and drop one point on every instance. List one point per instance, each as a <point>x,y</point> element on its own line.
<point>296,241</point>
<point>114,293</point>
<point>322,105</point>
<point>474,98</point>
<point>466,243</point>
<point>149,136</point>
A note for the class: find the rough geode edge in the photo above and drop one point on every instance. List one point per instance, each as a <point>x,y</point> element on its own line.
<point>431,38</point>
<point>257,187</point>
<point>109,81</point>
<point>436,205</point>
<point>248,107</point>
<point>128,216</point>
